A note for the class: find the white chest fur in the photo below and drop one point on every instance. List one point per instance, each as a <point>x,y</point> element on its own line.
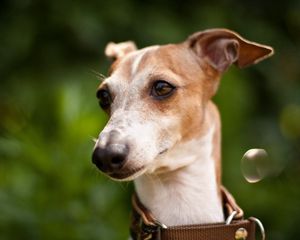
<point>188,194</point>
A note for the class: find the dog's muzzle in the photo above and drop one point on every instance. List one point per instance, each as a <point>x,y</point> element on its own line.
<point>111,158</point>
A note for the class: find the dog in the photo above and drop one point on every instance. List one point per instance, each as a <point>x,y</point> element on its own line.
<point>164,131</point>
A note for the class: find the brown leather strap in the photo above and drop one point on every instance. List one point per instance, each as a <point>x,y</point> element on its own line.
<point>230,204</point>
<point>209,232</point>
<point>145,226</point>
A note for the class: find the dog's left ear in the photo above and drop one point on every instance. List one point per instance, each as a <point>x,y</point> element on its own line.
<point>222,47</point>
<point>119,50</point>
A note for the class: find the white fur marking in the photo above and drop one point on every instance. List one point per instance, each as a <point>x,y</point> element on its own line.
<point>187,195</point>
<point>139,57</point>
<point>136,62</point>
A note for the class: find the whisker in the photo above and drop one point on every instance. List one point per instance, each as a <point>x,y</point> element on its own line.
<point>99,76</point>
<point>123,186</point>
<point>94,139</point>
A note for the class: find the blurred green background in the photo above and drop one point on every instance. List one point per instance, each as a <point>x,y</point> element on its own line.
<point>49,114</point>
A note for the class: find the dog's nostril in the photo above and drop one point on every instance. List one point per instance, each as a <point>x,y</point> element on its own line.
<point>111,158</point>
<point>118,156</point>
<point>117,160</point>
<point>100,164</point>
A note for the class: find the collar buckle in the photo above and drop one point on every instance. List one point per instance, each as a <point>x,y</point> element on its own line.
<point>149,231</point>
<point>230,218</point>
<point>145,226</point>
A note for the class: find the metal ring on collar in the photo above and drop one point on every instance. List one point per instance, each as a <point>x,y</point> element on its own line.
<point>163,226</point>
<point>230,218</point>
<point>260,225</point>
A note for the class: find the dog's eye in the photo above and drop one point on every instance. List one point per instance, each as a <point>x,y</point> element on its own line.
<point>104,98</point>
<point>162,89</point>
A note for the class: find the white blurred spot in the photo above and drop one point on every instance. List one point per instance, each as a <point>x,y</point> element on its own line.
<point>255,165</point>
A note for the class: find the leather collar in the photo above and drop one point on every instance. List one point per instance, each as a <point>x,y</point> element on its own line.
<point>144,226</point>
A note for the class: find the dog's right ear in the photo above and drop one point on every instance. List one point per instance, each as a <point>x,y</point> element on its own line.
<point>116,51</point>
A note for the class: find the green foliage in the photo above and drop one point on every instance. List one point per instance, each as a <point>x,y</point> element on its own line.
<point>49,115</point>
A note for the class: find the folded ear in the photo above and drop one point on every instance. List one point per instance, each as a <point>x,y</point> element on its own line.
<point>119,50</point>
<point>222,47</point>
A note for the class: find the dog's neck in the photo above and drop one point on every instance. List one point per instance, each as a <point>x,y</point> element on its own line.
<point>189,194</point>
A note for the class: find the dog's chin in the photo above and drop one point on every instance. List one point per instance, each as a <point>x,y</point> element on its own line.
<point>124,176</point>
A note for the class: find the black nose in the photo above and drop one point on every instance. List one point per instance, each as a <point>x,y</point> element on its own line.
<point>110,158</point>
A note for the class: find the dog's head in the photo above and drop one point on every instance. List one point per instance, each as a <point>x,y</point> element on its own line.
<point>156,97</point>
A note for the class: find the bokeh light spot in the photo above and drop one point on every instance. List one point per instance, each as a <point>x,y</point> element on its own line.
<point>289,121</point>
